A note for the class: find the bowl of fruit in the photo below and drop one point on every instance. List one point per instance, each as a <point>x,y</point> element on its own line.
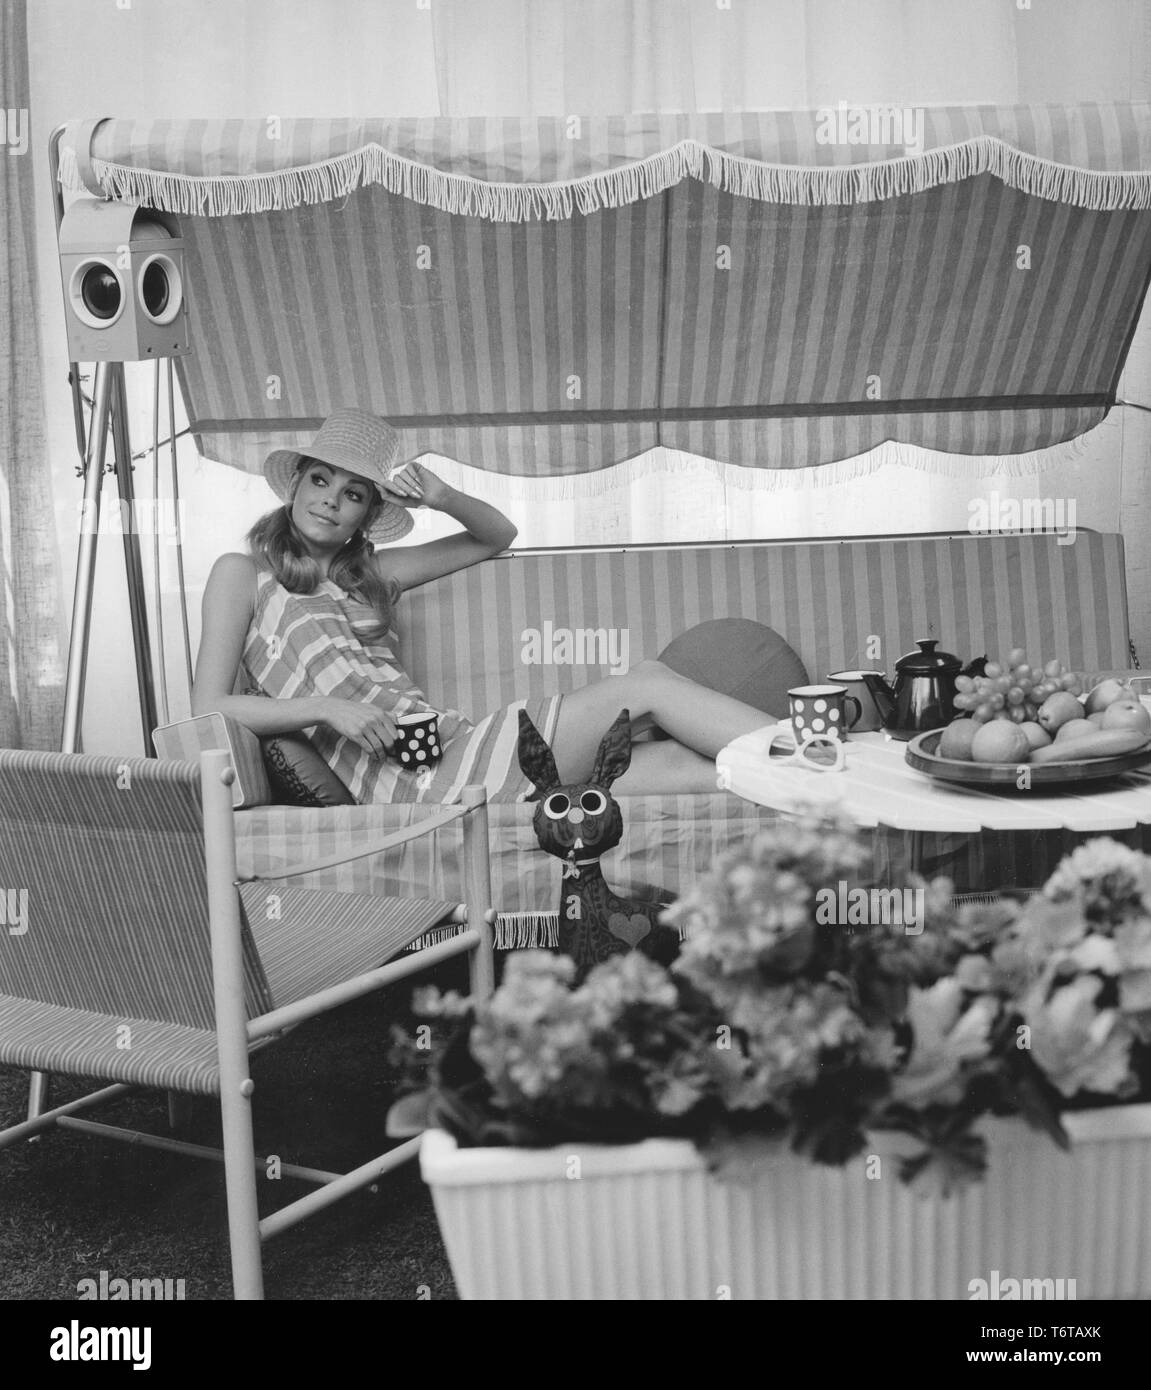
<point>1026,726</point>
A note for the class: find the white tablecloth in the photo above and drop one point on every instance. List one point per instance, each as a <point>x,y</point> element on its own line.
<point>878,787</point>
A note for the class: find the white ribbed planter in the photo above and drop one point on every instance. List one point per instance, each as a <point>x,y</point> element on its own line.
<point>645,1221</point>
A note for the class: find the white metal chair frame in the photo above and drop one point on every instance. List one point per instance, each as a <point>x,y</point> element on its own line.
<point>236,1034</point>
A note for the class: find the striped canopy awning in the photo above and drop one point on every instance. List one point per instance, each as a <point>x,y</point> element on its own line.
<point>544,298</point>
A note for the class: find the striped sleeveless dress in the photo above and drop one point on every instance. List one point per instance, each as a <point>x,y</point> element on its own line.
<point>302,645</point>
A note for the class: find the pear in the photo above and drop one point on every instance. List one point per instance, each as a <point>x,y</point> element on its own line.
<point>1058,709</point>
<point>1106,693</point>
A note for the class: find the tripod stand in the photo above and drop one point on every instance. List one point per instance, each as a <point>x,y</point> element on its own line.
<point>109,413</point>
<point>110,416</point>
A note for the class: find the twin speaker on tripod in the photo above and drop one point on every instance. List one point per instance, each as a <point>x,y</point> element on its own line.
<point>123,274</point>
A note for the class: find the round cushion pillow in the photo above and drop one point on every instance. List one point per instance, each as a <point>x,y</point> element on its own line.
<point>741,658</point>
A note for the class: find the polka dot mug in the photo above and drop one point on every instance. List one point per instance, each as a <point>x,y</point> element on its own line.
<point>822,710</point>
<point>419,742</point>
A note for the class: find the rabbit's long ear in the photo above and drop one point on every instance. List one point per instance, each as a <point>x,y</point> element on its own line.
<point>536,761</point>
<point>614,755</point>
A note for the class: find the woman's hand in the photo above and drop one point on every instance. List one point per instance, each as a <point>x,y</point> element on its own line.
<point>413,485</point>
<point>364,724</point>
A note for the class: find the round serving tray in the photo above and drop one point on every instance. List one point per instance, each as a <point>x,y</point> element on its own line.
<point>921,755</point>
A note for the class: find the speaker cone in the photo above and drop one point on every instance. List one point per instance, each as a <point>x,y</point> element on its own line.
<point>154,288</point>
<point>96,293</point>
<point>160,288</point>
<point>101,292</point>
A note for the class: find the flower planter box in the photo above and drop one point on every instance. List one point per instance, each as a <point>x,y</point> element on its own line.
<point>646,1221</point>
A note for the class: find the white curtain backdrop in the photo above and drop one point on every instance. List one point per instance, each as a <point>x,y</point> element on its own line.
<point>166,58</point>
<point>555,57</point>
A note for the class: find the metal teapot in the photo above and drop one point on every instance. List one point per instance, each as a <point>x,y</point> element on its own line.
<point>924,693</point>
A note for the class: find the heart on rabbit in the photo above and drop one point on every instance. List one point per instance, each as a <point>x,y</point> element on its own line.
<point>631,929</point>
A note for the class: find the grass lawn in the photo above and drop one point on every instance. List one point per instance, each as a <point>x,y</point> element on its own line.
<point>74,1205</point>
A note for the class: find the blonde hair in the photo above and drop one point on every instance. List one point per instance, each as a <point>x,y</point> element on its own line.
<point>275,543</point>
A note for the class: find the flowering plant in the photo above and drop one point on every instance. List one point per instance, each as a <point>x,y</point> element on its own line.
<point>782,1022</point>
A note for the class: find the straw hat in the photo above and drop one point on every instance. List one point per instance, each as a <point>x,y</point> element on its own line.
<point>358,442</point>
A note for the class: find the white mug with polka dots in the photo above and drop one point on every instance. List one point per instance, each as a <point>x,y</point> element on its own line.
<point>419,742</point>
<point>823,710</point>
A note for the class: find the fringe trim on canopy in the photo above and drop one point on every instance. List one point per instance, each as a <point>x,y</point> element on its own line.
<point>538,931</point>
<point>228,194</point>
<point>514,487</point>
<point>514,931</point>
<point>530,931</point>
<point>434,937</point>
<point>526,931</point>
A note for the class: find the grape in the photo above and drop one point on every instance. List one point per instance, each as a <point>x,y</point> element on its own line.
<point>1068,680</point>
<point>997,701</point>
<point>1023,672</point>
<point>1053,668</point>
<point>1023,683</point>
<point>1015,696</point>
<point>962,701</point>
<point>1018,714</point>
<point>1017,655</point>
<point>983,712</point>
<point>964,683</point>
<point>1002,684</point>
<point>993,669</point>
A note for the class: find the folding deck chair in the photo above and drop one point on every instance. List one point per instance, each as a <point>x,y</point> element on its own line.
<point>132,953</point>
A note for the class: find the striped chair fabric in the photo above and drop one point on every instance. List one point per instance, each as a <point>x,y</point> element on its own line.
<point>309,940</point>
<point>109,972</point>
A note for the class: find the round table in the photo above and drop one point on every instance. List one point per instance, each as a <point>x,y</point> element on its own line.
<point>877,788</point>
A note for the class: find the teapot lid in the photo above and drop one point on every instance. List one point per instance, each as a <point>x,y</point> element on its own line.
<point>927,661</point>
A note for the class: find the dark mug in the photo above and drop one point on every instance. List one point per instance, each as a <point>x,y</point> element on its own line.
<point>418,744</point>
<point>822,710</point>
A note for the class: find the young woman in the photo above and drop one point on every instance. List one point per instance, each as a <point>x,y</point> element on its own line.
<point>303,624</point>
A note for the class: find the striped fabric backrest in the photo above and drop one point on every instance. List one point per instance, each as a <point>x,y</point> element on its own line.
<point>103,897</point>
<point>537,623</point>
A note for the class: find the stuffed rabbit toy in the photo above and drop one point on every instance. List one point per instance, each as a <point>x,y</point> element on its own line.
<point>577,822</point>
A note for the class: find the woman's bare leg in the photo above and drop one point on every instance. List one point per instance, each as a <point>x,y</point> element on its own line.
<point>666,767</point>
<point>702,720</point>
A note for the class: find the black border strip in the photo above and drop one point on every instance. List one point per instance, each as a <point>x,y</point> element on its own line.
<point>495,420</point>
